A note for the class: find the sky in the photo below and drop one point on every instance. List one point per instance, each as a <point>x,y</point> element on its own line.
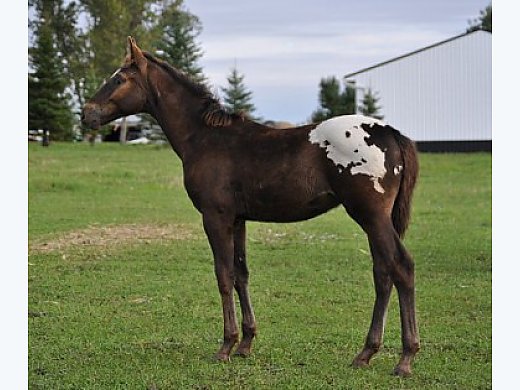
<point>285,47</point>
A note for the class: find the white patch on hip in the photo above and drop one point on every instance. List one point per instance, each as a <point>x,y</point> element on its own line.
<point>343,139</point>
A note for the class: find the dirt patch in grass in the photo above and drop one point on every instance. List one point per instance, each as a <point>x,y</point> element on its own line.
<point>107,236</point>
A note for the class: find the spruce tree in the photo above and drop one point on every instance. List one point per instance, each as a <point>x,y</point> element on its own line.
<point>369,105</point>
<point>49,101</point>
<point>69,40</point>
<point>177,44</point>
<point>237,98</point>
<point>333,101</point>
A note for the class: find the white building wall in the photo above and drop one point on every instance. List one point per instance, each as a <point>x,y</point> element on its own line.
<point>442,93</point>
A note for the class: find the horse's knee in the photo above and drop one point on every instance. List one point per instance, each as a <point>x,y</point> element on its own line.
<point>241,277</point>
<point>241,281</point>
<point>225,285</point>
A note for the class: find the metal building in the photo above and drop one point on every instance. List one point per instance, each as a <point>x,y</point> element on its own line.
<point>440,95</point>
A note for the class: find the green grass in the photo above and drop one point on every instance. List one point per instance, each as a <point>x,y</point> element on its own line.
<point>145,313</point>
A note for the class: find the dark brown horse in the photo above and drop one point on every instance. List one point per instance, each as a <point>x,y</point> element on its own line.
<point>237,170</point>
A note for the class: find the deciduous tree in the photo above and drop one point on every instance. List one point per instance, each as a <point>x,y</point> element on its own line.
<point>109,23</point>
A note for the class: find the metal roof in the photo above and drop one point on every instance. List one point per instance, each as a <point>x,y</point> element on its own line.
<point>412,53</point>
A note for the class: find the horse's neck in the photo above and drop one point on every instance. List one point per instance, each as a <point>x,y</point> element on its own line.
<point>173,110</point>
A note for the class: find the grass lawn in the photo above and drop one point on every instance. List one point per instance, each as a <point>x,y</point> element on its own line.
<point>122,293</point>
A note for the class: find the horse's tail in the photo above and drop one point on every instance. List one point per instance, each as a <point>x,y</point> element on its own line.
<point>402,206</point>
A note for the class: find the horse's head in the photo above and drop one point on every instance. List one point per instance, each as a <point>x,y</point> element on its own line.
<point>124,93</point>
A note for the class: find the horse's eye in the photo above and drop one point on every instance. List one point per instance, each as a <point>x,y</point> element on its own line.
<point>118,80</point>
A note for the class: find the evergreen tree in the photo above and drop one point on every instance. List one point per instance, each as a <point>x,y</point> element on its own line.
<point>84,55</point>
<point>333,101</point>
<point>483,22</point>
<point>177,44</point>
<point>71,42</point>
<point>49,101</point>
<point>369,105</point>
<point>237,98</point>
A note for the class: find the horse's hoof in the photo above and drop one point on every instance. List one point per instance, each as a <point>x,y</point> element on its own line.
<point>242,353</point>
<point>359,363</point>
<point>244,349</point>
<point>402,372</point>
<point>221,357</point>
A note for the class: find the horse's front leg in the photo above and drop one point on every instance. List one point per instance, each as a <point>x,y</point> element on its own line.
<point>219,229</point>
<point>241,285</point>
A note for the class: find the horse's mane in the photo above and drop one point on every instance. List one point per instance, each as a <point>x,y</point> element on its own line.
<point>213,113</point>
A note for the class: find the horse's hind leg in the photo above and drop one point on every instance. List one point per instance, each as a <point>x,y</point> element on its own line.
<point>383,287</point>
<point>392,264</point>
<point>241,286</point>
<point>403,278</point>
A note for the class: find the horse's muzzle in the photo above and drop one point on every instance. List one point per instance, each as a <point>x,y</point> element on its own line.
<point>91,115</point>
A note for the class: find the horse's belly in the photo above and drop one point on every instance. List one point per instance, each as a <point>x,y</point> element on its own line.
<point>273,206</point>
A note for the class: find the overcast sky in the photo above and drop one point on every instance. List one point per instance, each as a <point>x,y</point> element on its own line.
<point>284,47</point>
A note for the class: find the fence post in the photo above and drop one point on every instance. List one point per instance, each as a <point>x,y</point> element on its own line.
<point>122,134</point>
<point>46,138</point>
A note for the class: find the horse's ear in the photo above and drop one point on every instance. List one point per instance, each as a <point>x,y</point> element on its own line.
<point>135,54</point>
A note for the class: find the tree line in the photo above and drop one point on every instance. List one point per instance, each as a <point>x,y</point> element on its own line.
<point>75,44</point>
